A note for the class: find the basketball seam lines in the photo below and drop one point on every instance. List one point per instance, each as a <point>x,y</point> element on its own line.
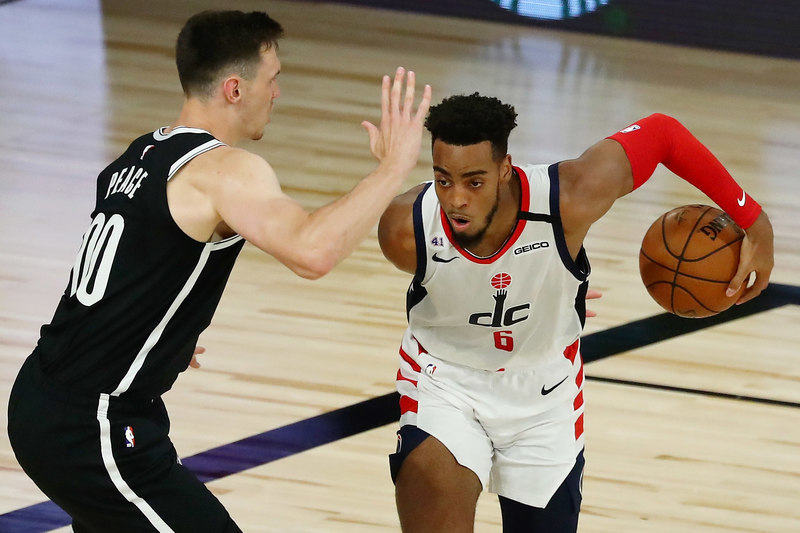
<point>687,291</point>
<point>709,254</point>
<point>675,271</point>
<point>685,246</point>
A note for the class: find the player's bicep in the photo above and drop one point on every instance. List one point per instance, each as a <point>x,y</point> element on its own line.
<point>591,183</point>
<point>250,201</point>
<point>396,232</point>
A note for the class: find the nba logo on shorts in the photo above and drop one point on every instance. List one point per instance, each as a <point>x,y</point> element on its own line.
<point>130,440</point>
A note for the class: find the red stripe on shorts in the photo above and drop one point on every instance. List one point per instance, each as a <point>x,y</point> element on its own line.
<point>579,427</point>
<point>400,376</point>
<point>578,401</point>
<point>571,351</point>
<point>408,404</point>
<point>414,366</point>
<point>420,349</point>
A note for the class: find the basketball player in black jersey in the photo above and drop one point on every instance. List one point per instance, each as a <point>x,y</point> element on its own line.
<point>86,421</point>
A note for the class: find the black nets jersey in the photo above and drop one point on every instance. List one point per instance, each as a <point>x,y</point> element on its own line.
<point>141,291</point>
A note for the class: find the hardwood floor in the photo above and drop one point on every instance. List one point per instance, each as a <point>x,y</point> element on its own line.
<point>78,81</point>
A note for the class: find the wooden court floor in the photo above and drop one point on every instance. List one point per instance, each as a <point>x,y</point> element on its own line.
<point>677,440</point>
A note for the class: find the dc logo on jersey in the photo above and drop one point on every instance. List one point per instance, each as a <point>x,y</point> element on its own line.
<point>130,440</point>
<point>500,316</point>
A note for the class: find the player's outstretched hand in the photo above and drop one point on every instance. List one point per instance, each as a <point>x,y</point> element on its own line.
<point>398,139</point>
<point>757,257</point>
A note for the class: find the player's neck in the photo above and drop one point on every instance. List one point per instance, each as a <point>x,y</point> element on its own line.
<point>205,116</point>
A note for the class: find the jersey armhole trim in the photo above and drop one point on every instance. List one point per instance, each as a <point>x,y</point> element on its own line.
<point>416,292</point>
<point>191,154</point>
<point>419,234</point>
<point>580,266</point>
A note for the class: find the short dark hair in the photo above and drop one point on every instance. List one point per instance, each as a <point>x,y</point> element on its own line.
<point>211,41</point>
<point>463,120</point>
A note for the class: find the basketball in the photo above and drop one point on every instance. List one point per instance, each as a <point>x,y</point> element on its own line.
<point>688,257</point>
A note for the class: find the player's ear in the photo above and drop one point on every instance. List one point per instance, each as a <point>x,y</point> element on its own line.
<point>506,168</point>
<point>231,89</point>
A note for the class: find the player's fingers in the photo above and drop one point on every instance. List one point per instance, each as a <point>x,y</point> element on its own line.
<point>385,84</point>
<point>397,86</point>
<point>593,294</point>
<point>751,292</point>
<point>425,104</point>
<point>409,101</point>
<point>740,278</point>
<point>374,136</point>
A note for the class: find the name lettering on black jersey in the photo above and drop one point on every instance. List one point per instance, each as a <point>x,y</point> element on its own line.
<point>127,181</point>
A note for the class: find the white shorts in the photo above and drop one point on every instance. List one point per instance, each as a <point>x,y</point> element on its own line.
<point>519,430</point>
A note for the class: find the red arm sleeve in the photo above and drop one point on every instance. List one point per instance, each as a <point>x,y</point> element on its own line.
<point>662,139</point>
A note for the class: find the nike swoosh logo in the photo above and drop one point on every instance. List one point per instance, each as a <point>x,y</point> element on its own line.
<point>741,200</point>
<point>545,391</point>
<point>438,259</point>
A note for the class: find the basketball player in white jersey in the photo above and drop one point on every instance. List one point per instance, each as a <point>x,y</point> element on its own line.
<point>491,376</point>
<point>86,420</point>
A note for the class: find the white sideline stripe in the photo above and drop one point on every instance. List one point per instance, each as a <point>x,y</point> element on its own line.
<point>155,335</point>
<point>116,476</point>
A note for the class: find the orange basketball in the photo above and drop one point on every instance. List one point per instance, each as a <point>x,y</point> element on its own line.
<point>688,257</point>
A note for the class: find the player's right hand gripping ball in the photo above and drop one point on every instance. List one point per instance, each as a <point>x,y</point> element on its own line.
<point>688,258</point>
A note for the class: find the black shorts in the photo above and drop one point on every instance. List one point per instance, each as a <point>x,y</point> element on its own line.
<point>107,461</point>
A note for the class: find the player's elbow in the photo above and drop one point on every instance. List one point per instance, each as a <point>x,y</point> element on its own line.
<point>313,264</point>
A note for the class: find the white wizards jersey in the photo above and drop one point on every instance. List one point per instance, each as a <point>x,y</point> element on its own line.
<point>521,307</point>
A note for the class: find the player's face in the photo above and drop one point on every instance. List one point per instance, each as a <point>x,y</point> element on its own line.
<point>467,184</point>
<point>261,93</point>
